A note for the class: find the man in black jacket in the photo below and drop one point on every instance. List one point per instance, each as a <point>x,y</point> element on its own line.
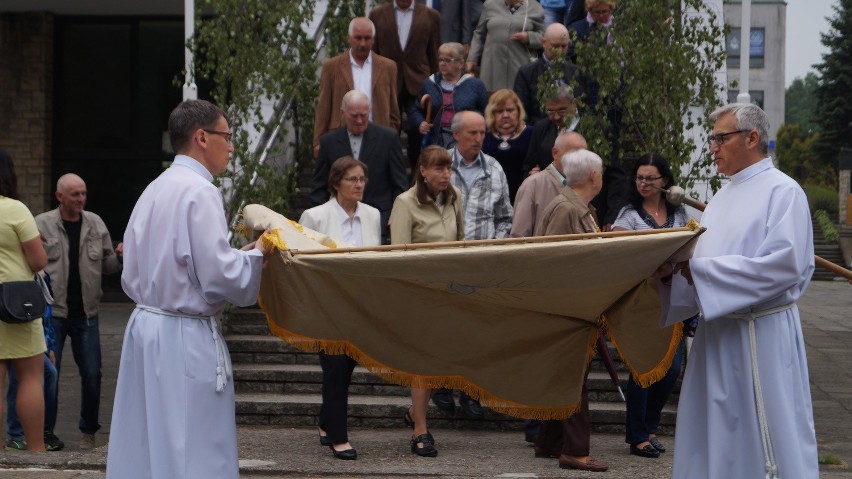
<point>378,147</point>
<point>555,41</point>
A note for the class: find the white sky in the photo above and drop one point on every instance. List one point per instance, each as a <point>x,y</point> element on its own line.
<point>806,19</point>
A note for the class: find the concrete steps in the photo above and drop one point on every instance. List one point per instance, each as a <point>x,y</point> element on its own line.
<point>828,250</point>
<point>276,384</point>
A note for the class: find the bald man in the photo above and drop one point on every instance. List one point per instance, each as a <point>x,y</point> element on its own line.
<point>79,250</point>
<point>539,189</point>
<point>554,42</point>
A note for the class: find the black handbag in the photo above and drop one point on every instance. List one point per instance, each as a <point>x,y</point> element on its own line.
<point>21,301</point>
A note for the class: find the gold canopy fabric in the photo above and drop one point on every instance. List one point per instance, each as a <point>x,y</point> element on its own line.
<point>513,325</point>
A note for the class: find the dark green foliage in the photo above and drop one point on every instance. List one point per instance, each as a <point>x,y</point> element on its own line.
<point>796,156</point>
<point>834,110</point>
<point>821,198</point>
<point>660,65</point>
<point>800,103</point>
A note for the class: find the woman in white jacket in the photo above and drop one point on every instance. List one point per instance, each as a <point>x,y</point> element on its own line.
<point>345,219</point>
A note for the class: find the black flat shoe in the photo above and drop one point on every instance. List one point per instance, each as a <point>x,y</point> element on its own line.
<point>423,445</point>
<point>657,444</point>
<point>347,455</point>
<point>443,400</point>
<point>647,451</point>
<point>470,407</point>
<point>325,441</point>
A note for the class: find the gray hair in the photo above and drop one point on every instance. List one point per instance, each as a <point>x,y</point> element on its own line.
<point>577,164</point>
<point>352,26</point>
<point>563,92</point>
<point>564,138</point>
<point>749,117</point>
<point>455,48</point>
<point>353,95</point>
<point>458,121</point>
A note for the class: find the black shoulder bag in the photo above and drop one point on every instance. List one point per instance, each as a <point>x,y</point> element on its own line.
<point>21,301</point>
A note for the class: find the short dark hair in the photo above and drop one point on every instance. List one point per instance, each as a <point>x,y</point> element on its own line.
<point>8,179</point>
<point>432,155</point>
<point>189,116</point>
<point>339,168</point>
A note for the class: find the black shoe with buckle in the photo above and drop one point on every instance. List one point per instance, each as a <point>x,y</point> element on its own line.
<point>443,400</point>
<point>645,451</point>
<point>423,445</point>
<point>470,407</point>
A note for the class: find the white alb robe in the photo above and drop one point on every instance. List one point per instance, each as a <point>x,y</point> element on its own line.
<point>756,254</point>
<point>168,420</point>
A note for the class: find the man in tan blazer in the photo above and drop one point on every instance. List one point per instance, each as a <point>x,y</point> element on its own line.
<point>357,69</point>
<point>408,33</point>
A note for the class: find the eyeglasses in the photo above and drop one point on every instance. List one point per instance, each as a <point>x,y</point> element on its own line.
<point>646,179</point>
<point>561,111</point>
<point>448,60</point>
<point>225,134</point>
<point>356,179</point>
<point>719,138</point>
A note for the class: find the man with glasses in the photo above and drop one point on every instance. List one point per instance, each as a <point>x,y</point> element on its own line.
<point>376,146</point>
<point>174,413</point>
<point>554,44</point>
<point>357,69</point>
<point>562,116</point>
<point>409,34</point>
<point>746,389</point>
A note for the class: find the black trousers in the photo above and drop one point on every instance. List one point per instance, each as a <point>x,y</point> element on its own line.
<point>336,376</point>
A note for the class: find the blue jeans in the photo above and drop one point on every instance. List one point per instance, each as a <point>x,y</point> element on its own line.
<point>86,347</point>
<point>645,405</point>
<point>51,380</point>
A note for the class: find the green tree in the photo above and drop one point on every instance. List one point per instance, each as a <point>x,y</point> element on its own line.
<point>796,157</point>
<point>258,52</point>
<point>835,83</point>
<point>661,62</point>
<point>800,103</point>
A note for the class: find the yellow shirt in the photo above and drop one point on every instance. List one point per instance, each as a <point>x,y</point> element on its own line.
<point>17,225</point>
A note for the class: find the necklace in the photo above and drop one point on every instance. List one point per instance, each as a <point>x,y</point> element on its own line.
<point>504,145</point>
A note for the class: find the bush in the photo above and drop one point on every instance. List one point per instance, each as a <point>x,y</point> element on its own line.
<point>822,198</point>
<point>827,226</point>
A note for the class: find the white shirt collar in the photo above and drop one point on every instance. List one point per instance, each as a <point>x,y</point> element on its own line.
<point>368,61</point>
<point>194,165</point>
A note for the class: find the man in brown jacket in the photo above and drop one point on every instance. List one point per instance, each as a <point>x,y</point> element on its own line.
<point>408,33</point>
<point>357,69</point>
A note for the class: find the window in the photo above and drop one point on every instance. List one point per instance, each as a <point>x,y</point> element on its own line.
<point>756,97</point>
<point>757,47</point>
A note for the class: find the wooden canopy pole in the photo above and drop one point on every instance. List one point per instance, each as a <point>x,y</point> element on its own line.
<point>490,242</point>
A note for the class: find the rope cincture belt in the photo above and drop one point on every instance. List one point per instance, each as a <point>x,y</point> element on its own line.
<point>768,454</point>
<point>223,369</point>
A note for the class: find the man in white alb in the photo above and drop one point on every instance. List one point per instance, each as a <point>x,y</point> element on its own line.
<point>747,400</point>
<point>173,416</point>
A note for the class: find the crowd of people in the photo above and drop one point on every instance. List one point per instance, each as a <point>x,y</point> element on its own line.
<point>487,159</point>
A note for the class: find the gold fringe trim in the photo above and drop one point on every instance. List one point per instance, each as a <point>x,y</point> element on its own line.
<point>402,378</point>
<point>647,379</point>
<point>272,241</point>
<point>693,225</point>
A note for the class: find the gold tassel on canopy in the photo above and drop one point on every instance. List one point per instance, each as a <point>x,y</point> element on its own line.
<point>511,322</point>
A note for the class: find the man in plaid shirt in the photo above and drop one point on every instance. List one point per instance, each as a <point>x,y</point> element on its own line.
<point>481,180</point>
<point>487,211</point>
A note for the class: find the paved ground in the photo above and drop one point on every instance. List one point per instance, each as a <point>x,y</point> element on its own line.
<point>267,452</point>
